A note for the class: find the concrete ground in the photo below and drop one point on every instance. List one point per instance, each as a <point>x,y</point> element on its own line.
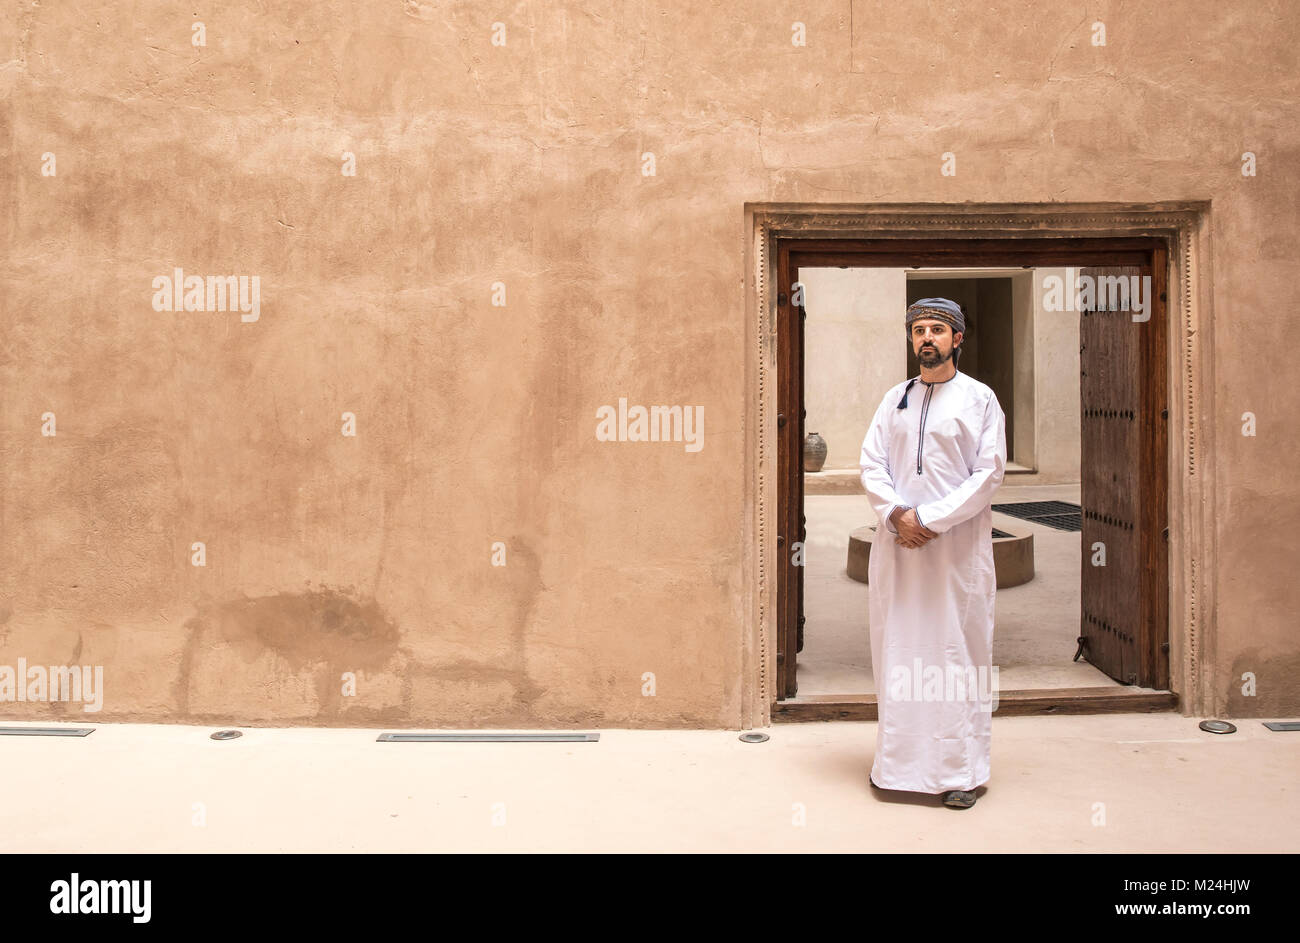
<point>1102,783</point>
<point>1036,624</point>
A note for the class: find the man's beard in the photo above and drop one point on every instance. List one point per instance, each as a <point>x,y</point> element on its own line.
<point>937,360</point>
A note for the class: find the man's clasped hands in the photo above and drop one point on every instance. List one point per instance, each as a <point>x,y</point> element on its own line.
<point>911,532</point>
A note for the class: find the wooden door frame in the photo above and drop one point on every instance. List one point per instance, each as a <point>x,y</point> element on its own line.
<point>1028,235</point>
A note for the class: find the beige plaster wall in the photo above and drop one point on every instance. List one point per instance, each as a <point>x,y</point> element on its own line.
<point>520,171</point>
<point>855,349</point>
<point>1056,388</point>
<point>1024,444</point>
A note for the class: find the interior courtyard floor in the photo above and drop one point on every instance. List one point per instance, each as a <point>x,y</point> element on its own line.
<point>1036,624</point>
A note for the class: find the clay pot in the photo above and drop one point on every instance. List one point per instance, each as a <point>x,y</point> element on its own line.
<point>814,452</point>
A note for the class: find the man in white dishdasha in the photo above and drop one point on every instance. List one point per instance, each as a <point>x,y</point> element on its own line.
<point>931,462</point>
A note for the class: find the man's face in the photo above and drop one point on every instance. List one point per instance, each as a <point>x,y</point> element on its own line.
<point>933,341</point>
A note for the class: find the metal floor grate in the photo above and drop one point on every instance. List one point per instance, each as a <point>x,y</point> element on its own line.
<point>488,737</point>
<point>46,731</point>
<point>1060,515</point>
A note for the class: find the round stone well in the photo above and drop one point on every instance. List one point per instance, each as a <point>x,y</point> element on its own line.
<point>1013,554</point>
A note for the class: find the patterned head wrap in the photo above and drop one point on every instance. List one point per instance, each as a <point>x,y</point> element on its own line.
<point>939,308</point>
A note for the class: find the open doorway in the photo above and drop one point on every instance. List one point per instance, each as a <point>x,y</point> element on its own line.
<point>1080,522</point>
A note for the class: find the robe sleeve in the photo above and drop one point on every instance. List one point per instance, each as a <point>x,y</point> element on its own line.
<point>976,492</point>
<point>877,481</point>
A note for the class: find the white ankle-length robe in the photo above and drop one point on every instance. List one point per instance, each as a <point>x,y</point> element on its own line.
<point>931,608</point>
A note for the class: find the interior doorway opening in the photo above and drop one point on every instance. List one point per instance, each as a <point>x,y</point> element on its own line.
<point>1067,632</point>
